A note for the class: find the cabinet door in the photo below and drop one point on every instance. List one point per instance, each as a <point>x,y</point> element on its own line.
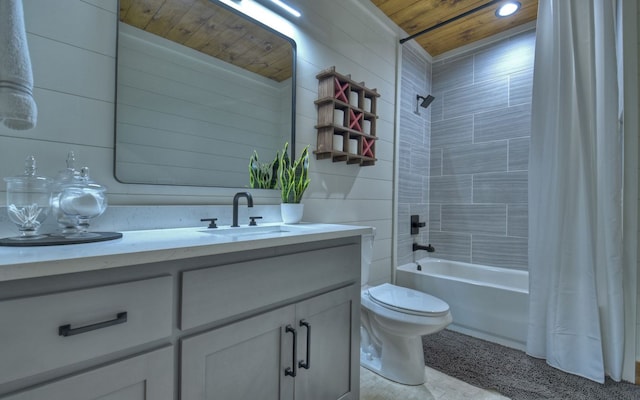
<point>333,357</point>
<point>145,377</point>
<point>244,360</point>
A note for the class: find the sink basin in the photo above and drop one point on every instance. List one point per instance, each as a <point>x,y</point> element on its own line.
<point>243,231</point>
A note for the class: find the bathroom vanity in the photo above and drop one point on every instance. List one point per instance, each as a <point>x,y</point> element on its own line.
<point>189,313</point>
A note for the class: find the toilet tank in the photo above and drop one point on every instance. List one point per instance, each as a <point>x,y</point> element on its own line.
<point>366,257</point>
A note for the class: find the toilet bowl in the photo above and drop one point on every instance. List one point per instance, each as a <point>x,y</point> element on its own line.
<point>393,321</point>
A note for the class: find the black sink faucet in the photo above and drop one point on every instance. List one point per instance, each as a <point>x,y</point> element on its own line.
<point>235,205</point>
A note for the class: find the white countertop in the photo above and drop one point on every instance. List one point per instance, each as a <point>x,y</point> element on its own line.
<point>148,246</point>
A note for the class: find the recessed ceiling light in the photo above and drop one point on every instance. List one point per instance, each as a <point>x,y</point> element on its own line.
<point>508,9</point>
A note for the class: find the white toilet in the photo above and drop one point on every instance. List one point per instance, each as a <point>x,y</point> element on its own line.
<point>393,319</point>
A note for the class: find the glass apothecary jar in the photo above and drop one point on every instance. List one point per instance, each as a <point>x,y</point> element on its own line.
<point>83,199</point>
<point>28,200</point>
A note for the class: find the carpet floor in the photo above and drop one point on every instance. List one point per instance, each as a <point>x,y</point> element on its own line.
<point>512,373</point>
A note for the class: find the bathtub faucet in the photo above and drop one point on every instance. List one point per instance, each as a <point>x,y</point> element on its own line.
<point>429,248</point>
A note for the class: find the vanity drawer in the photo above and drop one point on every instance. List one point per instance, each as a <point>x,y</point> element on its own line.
<point>147,376</point>
<point>32,328</point>
<point>217,293</point>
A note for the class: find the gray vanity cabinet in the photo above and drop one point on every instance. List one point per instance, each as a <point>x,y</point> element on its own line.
<point>255,358</point>
<point>208,327</point>
<point>144,377</point>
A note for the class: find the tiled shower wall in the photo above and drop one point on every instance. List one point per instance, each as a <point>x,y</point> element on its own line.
<point>480,126</point>
<point>414,138</point>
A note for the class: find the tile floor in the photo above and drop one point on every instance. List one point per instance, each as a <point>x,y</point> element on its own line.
<point>438,386</point>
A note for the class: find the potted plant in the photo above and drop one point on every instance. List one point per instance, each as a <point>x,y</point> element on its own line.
<point>294,180</point>
<point>263,175</point>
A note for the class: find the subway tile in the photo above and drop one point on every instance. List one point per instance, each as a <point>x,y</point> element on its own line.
<point>479,97</point>
<point>403,234</point>
<point>410,187</point>
<point>519,154</point>
<point>420,160</point>
<point>435,162</point>
<point>505,57</point>
<point>475,158</point>
<point>404,159</point>
<point>412,128</point>
<point>434,217</point>
<point>450,189</point>
<point>520,87</point>
<point>500,251</point>
<point>435,108</point>
<point>518,220</point>
<point>429,74</point>
<point>506,123</point>
<point>452,132</point>
<point>448,75</point>
<point>526,39</point>
<point>403,216</point>
<point>503,187</point>
<point>413,70</point>
<point>426,138</point>
<point>488,219</point>
<point>451,246</point>
<point>403,211</point>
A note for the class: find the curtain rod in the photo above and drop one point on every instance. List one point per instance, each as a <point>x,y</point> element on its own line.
<point>443,23</point>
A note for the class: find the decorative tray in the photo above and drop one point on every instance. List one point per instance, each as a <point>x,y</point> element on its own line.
<point>55,239</point>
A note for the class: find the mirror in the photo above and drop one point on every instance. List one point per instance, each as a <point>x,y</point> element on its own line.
<point>199,88</point>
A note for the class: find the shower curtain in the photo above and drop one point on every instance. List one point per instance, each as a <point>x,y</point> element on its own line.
<point>576,319</point>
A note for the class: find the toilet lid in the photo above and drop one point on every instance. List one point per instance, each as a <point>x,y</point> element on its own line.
<point>409,300</point>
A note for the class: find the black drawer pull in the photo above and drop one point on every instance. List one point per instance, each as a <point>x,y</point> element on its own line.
<point>306,364</point>
<point>66,330</point>
<point>291,371</point>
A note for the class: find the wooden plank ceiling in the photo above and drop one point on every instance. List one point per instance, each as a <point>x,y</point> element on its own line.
<point>213,30</point>
<point>416,15</point>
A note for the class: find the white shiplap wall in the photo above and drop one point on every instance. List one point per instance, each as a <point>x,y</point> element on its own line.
<point>73,47</point>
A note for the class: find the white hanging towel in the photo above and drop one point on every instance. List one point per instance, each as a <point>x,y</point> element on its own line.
<point>17,107</point>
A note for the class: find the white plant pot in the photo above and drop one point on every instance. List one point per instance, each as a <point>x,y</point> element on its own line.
<point>291,212</point>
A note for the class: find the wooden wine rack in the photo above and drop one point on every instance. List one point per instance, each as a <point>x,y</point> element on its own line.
<point>354,122</point>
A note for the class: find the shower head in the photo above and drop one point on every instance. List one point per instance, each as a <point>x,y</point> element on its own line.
<point>423,102</point>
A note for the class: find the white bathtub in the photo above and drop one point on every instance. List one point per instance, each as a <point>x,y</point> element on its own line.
<point>486,302</point>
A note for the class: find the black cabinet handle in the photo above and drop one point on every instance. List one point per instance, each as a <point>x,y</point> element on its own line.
<point>289,371</point>
<point>66,330</point>
<point>306,364</point>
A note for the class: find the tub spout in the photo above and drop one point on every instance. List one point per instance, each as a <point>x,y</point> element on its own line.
<point>429,248</point>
